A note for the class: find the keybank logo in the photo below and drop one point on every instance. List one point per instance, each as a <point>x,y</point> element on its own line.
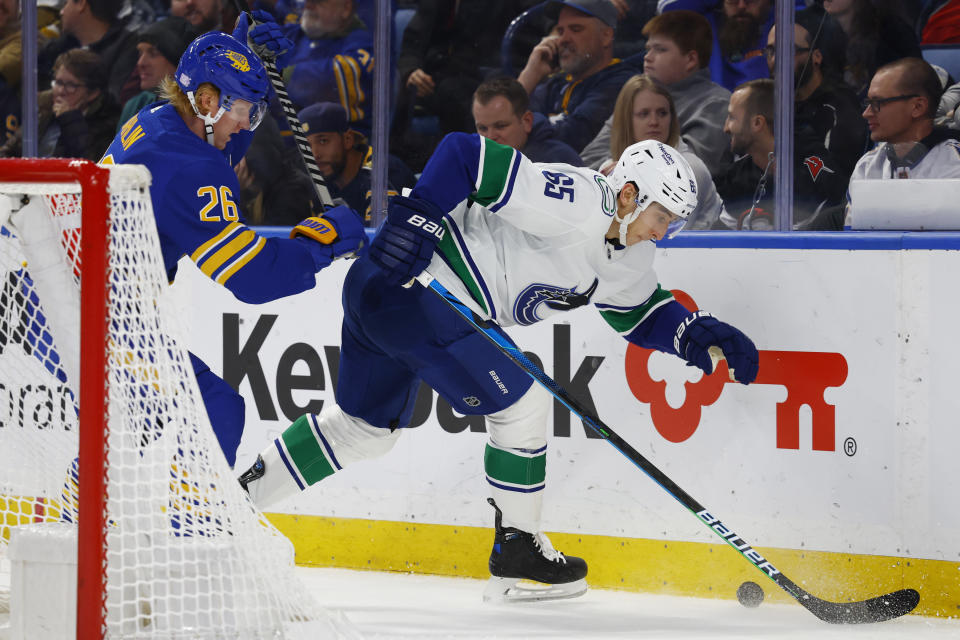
<point>805,374</point>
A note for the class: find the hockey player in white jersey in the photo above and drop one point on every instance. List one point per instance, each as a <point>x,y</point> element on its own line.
<point>519,242</point>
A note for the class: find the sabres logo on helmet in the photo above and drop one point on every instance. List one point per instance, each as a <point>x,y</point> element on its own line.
<point>239,60</point>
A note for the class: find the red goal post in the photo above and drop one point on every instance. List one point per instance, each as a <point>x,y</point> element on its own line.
<point>92,370</point>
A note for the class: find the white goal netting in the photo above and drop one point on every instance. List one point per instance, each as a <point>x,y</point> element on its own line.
<point>186,554</point>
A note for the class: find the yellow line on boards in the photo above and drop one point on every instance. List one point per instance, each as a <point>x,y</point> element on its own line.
<point>631,564</point>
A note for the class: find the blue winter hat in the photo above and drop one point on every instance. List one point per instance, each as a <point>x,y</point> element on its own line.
<point>324,117</point>
<point>603,10</point>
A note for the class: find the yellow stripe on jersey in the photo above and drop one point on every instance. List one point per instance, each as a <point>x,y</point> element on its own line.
<point>202,249</point>
<point>220,256</point>
<point>242,260</point>
<point>347,71</point>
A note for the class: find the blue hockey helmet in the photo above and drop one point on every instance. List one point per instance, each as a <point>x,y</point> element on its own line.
<point>231,67</point>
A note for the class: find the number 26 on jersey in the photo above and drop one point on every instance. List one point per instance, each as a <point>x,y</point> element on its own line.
<point>220,205</point>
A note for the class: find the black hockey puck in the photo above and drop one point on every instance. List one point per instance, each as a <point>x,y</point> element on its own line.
<point>750,594</point>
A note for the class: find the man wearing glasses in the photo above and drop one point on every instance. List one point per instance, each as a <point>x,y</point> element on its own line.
<point>899,109</point>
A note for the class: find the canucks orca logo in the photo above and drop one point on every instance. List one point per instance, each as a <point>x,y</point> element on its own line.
<point>559,298</point>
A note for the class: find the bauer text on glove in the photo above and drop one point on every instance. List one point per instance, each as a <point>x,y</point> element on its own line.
<point>405,243</point>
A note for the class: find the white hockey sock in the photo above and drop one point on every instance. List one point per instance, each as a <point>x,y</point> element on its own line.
<point>313,447</point>
<point>515,459</point>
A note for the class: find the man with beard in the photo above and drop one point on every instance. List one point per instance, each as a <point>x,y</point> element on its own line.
<point>345,159</point>
<point>204,15</point>
<point>738,27</point>
<point>331,61</point>
<point>571,75</point>
<point>825,107</point>
<point>747,188</point>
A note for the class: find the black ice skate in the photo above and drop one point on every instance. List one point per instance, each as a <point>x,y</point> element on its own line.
<point>518,555</point>
<point>253,473</point>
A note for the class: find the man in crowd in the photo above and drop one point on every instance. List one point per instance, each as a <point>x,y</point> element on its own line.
<point>739,30</point>
<point>159,46</point>
<point>900,106</point>
<point>345,158</point>
<point>678,52</point>
<point>204,15</point>
<point>747,188</point>
<point>93,25</point>
<point>501,112</point>
<point>571,76</point>
<point>331,61</point>
<point>825,105</point>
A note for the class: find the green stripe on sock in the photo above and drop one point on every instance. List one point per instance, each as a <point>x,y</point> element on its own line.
<point>509,467</point>
<point>306,454</point>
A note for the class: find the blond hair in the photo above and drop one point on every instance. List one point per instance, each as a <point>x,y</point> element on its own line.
<point>171,91</point>
<point>621,132</point>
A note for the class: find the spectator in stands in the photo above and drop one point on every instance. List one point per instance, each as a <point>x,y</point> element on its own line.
<point>160,46</point>
<point>274,186</point>
<point>874,38</point>
<point>204,15</point>
<point>77,117</point>
<point>345,158</point>
<point>501,112</point>
<point>93,25</point>
<point>739,30</point>
<point>331,61</point>
<point>825,105</point>
<point>678,54</point>
<point>645,111</point>
<point>10,65</point>
<point>631,16</point>
<point>571,75</point>
<point>947,113</point>
<point>900,108</point>
<point>447,50</point>
<point>747,188</point>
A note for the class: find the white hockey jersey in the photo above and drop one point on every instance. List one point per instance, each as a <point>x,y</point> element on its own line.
<point>524,241</point>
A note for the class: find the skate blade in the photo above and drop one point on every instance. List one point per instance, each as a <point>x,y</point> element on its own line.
<point>509,590</point>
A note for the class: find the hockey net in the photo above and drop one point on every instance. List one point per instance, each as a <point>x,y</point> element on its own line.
<point>169,545</point>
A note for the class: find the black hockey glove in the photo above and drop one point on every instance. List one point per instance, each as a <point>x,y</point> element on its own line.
<point>700,331</point>
<point>405,243</point>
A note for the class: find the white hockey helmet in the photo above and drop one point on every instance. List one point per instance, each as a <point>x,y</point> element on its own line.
<point>661,174</point>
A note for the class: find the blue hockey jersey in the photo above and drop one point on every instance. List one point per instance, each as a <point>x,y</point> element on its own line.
<point>194,191</point>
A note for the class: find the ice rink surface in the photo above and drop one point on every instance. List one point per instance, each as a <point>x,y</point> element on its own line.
<point>396,605</point>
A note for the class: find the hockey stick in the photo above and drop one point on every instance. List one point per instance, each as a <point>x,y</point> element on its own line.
<point>306,154</point>
<point>878,609</point>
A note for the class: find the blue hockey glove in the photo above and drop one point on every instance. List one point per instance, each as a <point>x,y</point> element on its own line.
<point>405,243</point>
<point>265,37</point>
<point>700,331</point>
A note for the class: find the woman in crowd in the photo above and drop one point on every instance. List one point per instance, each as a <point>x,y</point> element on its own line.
<point>645,111</point>
<point>77,117</point>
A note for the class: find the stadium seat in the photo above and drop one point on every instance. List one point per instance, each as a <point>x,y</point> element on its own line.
<point>944,55</point>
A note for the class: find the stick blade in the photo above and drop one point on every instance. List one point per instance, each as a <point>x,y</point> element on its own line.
<point>879,609</point>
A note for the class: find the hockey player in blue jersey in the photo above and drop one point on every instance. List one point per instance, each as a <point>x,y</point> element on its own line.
<point>190,145</point>
<point>519,242</point>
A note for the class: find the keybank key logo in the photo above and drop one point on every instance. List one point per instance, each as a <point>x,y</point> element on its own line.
<point>805,374</point>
